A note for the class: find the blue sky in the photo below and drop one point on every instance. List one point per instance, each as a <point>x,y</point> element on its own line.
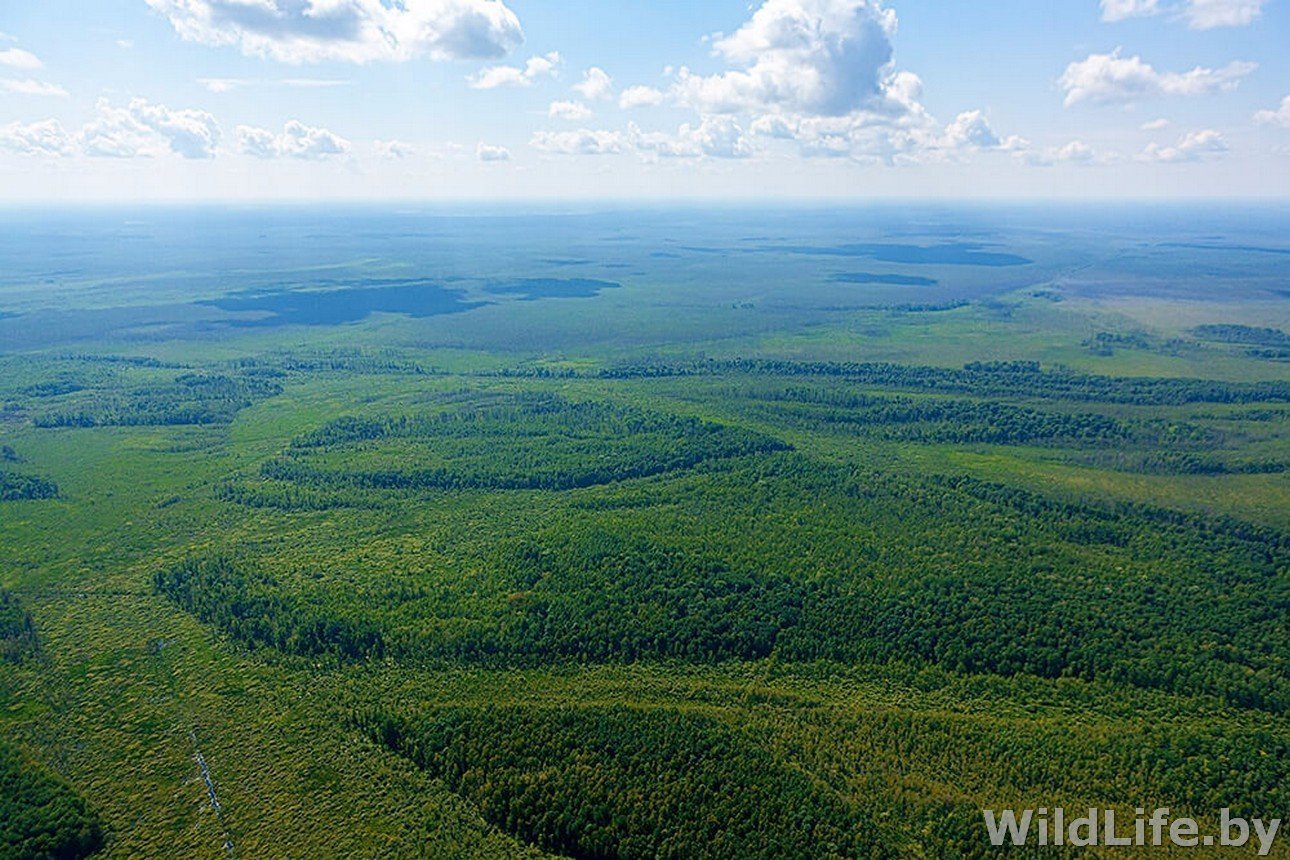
<point>629,99</point>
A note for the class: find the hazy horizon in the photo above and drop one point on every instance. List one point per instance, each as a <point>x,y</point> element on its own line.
<point>780,100</point>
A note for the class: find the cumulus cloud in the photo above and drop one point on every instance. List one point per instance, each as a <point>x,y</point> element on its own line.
<point>29,87</point>
<point>17,58</point>
<point>1155,124</point>
<point>970,129</point>
<point>513,76</point>
<point>569,110</point>
<point>714,136</point>
<point>1110,78</point>
<point>1278,116</point>
<point>774,126</point>
<point>141,129</point>
<point>296,140</point>
<point>821,73</point>
<point>490,152</point>
<point>826,57</point>
<point>638,97</point>
<point>45,138</point>
<point>595,85</point>
<point>1193,146</point>
<point>393,150</point>
<point>1119,10</point>
<point>580,142</point>
<point>357,31</point>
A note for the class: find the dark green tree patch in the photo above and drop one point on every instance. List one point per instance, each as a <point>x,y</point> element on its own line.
<point>17,631</point>
<point>17,487</point>
<point>190,398</point>
<point>42,817</point>
<point>527,442</point>
<point>618,782</point>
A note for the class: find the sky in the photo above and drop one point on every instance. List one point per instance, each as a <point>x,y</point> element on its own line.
<point>495,100</point>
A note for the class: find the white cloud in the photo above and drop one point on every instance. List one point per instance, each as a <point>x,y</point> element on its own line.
<point>296,140</point>
<point>258,142</point>
<point>125,44</point>
<point>357,31</point>
<point>1208,14</point>
<point>1076,152</point>
<point>574,111</point>
<point>828,146</point>
<point>970,129</point>
<point>638,97</point>
<point>580,142</point>
<point>190,133</point>
<point>511,76</point>
<point>1155,124</point>
<point>1110,78</point>
<point>141,129</point>
<point>490,152</point>
<point>1279,116</point>
<point>595,85</point>
<point>1193,146</point>
<point>28,87</point>
<point>714,136</point>
<point>824,57</point>
<point>774,126</point>
<point>17,58</point>
<point>820,72</point>
<point>45,138</point>
<point>914,138</point>
<point>1119,10</point>
<point>115,134</point>
<point>394,150</point>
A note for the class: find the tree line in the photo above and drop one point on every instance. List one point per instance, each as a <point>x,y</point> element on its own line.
<point>983,379</point>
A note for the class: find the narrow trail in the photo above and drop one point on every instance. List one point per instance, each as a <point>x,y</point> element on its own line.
<point>210,790</point>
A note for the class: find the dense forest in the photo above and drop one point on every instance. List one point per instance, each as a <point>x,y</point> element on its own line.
<point>959,421</point>
<point>41,817</point>
<point>190,398</point>
<point>972,576</point>
<point>619,782</point>
<point>533,442</point>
